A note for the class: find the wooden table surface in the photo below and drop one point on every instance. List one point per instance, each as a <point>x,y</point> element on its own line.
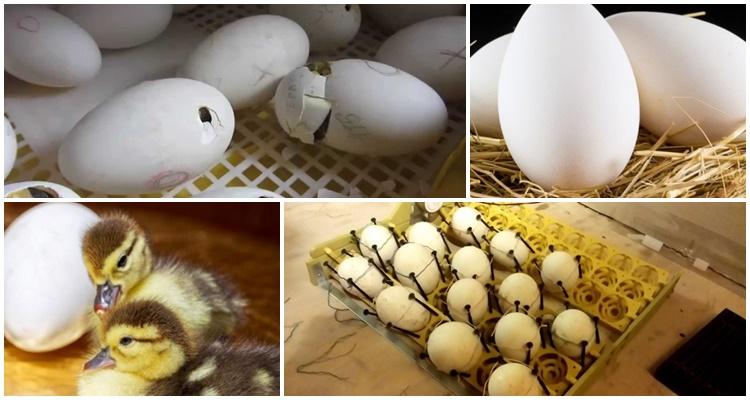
<point>364,363</point>
<point>238,240</point>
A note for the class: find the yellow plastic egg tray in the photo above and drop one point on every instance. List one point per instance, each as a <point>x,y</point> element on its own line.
<point>616,287</point>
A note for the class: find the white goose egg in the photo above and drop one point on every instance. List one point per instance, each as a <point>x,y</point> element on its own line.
<point>10,147</point>
<point>567,98</point>
<point>454,346</point>
<point>501,246</point>
<point>328,26</point>
<point>570,329</point>
<point>427,234</point>
<point>47,290</point>
<point>685,66</point>
<point>383,240</point>
<point>361,107</point>
<point>414,258</point>
<point>46,48</point>
<point>392,17</point>
<point>467,296</point>
<point>394,306</point>
<point>119,26</point>
<point>472,262</point>
<point>513,334</point>
<point>463,219</point>
<point>434,51</point>
<point>485,71</point>
<point>521,288</point>
<point>150,137</point>
<point>247,58</point>
<point>238,192</point>
<point>559,268</point>
<point>364,275</point>
<point>38,190</point>
<point>513,379</point>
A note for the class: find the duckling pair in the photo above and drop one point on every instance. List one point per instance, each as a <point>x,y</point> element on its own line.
<point>162,320</point>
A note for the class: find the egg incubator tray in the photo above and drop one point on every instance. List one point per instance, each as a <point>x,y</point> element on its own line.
<point>618,290</point>
<point>262,156</point>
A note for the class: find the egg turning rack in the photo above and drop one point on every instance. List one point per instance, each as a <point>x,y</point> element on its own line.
<point>262,156</point>
<point>617,290</point>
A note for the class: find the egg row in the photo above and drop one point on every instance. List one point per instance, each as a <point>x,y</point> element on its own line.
<point>570,89</point>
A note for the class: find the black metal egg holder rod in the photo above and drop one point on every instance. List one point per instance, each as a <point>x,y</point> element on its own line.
<point>439,267</point>
<point>492,301</point>
<point>490,227</point>
<point>470,231</point>
<point>535,371</point>
<point>528,246</point>
<point>395,236</point>
<point>413,277</point>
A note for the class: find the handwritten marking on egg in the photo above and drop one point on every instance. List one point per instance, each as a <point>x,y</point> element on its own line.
<point>567,98</point>
<point>29,24</point>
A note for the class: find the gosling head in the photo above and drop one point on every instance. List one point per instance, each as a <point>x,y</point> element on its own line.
<point>143,338</point>
<point>117,256</point>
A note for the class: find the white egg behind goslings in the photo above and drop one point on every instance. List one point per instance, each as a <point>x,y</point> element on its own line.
<point>247,58</point>
<point>46,48</point>
<point>485,71</point>
<point>685,62</point>
<point>392,17</point>
<point>434,51</point>
<point>328,26</point>
<point>119,26</point>
<point>47,290</point>
<point>567,98</point>
<point>10,147</point>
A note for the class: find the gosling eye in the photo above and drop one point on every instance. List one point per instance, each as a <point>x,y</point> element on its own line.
<point>122,261</point>
<point>126,341</point>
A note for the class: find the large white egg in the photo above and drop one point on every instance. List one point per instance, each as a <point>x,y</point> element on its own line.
<point>392,17</point>
<point>383,240</point>
<point>467,292</point>
<point>485,71</point>
<point>513,333</point>
<point>513,379</point>
<point>434,51</point>
<point>47,290</point>
<point>559,268</point>
<point>502,244</point>
<point>364,275</point>
<point>570,329</point>
<point>521,288</point>
<point>150,137</point>
<point>119,26</point>
<point>394,306</point>
<point>361,107</point>
<point>427,234</point>
<point>238,192</point>
<point>46,48</point>
<point>682,62</point>
<point>247,58</point>
<point>454,346</point>
<point>328,26</point>
<point>38,190</point>
<point>417,259</point>
<point>10,147</point>
<point>472,262</point>
<point>463,219</point>
<point>567,98</point>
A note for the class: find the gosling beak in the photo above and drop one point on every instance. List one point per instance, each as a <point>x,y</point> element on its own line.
<point>106,297</point>
<point>101,360</point>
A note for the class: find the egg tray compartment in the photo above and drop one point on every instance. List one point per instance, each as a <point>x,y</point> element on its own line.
<point>262,156</point>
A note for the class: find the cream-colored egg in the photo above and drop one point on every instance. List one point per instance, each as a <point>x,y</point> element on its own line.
<point>328,26</point>
<point>360,107</point>
<point>10,147</point>
<point>46,48</point>
<point>472,262</point>
<point>383,240</point>
<point>414,258</point>
<point>513,333</point>
<point>363,274</point>
<point>467,292</point>
<point>394,306</point>
<point>47,290</point>
<point>485,71</point>
<point>427,234</point>
<point>392,17</point>
<point>521,288</point>
<point>150,137</point>
<point>559,268</point>
<point>463,219</point>
<point>569,329</point>
<point>119,26</point>
<point>247,58</point>
<point>513,379</point>
<point>567,98</point>
<point>686,68</point>
<point>38,190</point>
<point>454,346</point>
<point>502,244</point>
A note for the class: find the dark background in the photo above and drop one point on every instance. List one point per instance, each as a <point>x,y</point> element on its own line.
<point>491,21</point>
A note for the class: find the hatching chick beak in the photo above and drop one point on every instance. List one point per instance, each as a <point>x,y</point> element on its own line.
<point>101,360</point>
<point>107,295</point>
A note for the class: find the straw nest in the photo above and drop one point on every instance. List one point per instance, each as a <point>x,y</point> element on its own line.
<point>656,169</point>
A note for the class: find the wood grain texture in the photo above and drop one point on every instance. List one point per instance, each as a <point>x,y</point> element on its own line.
<point>237,240</point>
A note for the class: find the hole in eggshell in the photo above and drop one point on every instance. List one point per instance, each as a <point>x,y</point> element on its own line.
<point>320,133</point>
<point>205,114</point>
<point>320,67</point>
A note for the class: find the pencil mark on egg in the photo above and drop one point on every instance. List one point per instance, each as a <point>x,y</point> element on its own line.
<point>167,179</point>
<point>382,69</point>
<point>453,55</point>
<point>29,24</point>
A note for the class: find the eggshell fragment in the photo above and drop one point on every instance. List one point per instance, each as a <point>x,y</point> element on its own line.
<point>328,26</point>
<point>513,333</point>
<point>394,306</point>
<point>501,246</point>
<point>485,72</point>
<point>467,292</point>
<point>392,17</point>
<point>454,346</point>
<point>380,237</point>
<point>463,219</point>
<point>47,290</point>
<point>559,268</point>
<point>10,147</point>
<point>569,329</point>
<point>513,379</point>
<point>522,288</point>
<point>417,259</point>
<point>119,26</point>
<point>364,275</point>
<point>38,189</point>
<point>427,234</point>
<point>472,262</point>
